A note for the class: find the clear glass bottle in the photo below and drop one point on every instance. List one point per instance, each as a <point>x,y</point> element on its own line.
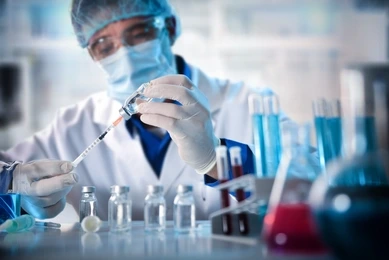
<point>155,209</point>
<point>119,209</point>
<point>184,210</point>
<point>88,202</point>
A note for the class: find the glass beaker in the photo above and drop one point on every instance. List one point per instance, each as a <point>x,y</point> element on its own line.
<point>289,225</point>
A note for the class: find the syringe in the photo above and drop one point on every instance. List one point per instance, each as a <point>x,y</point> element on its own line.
<point>96,142</point>
<point>129,108</point>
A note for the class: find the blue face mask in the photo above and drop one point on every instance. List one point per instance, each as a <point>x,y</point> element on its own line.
<point>132,66</point>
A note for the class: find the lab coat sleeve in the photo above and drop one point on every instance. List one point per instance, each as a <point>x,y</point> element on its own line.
<point>247,161</point>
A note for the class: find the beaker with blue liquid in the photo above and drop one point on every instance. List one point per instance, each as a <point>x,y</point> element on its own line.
<point>351,202</point>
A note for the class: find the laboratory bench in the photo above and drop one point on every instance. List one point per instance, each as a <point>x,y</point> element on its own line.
<point>71,242</point>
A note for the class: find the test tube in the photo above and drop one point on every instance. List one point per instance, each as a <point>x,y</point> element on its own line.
<point>237,171</point>
<point>334,124</point>
<point>271,133</point>
<point>323,137</point>
<point>223,176</point>
<point>256,111</point>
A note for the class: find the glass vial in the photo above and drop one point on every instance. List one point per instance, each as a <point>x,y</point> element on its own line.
<point>88,202</point>
<point>119,209</point>
<point>184,210</point>
<point>155,209</point>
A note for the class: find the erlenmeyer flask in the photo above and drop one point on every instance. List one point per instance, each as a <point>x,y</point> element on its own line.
<point>351,203</point>
<point>289,225</point>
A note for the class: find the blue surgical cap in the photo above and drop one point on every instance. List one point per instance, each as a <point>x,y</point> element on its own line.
<point>90,16</point>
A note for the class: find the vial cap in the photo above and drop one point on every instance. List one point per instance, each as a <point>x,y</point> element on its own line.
<point>152,189</point>
<point>184,188</point>
<point>88,189</point>
<point>119,189</point>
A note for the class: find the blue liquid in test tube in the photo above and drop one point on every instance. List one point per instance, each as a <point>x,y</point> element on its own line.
<point>272,140</point>
<point>335,128</point>
<point>259,144</point>
<point>324,142</point>
<point>334,124</point>
<point>271,134</point>
<point>264,110</point>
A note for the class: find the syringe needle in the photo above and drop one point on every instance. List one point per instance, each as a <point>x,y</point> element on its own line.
<point>95,143</point>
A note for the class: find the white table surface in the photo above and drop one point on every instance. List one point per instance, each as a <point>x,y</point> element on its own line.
<point>70,242</point>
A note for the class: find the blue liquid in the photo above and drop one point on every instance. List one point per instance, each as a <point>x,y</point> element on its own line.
<point>259,145</point>
<point>365,170</point>
<point>272,142</point>
<point>335,128</point>
<point>368,125</point>
<point>361,231</point>
<point>324,142</point>
<point>9,206</point>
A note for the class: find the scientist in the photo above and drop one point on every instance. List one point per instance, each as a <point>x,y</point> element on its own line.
<point>171,142</point>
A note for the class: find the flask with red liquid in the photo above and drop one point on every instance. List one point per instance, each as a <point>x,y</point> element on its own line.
<point>289,226</point>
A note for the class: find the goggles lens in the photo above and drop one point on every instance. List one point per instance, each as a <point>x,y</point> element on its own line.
<point>139,33</point>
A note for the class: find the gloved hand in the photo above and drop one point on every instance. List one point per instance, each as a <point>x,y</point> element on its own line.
<point>43,185</point>
<point>189,125</point>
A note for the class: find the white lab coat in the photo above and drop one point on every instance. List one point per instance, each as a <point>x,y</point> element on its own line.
<point>120,160</point>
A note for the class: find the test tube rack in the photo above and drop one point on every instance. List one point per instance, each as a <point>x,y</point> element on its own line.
<point>253,206</point>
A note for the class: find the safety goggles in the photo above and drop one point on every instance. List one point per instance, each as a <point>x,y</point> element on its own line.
<point>139,33</point>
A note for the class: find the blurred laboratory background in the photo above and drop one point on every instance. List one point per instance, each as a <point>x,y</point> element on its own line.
<point>296,47</point>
